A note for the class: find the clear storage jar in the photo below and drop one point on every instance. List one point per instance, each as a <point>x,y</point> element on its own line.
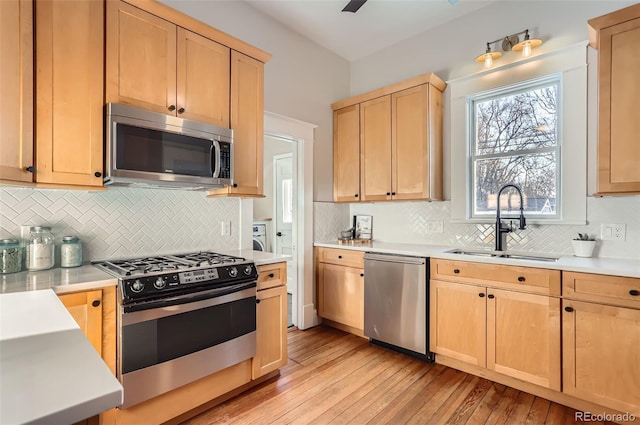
<point>39,248</point>
<point>70,252</point>
<point>10,256</point>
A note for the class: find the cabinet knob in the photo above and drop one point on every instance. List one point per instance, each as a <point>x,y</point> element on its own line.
<point>521,279</point>
<point>339,256</point>
<point>172,108</point>
<point>393,193</point>
<point>481,294</point>
<point>634,293</point>
<point>257,301</point>
<point>181,111</point>
<point>30,169</point>
<point>271,275</point>
<point>568,309</point>
<point>97,174</point>
<point>456,271</point>
<point>356,195</point>
<point>491,296</point>
<point>235,185</point>
<point>361,274</point>
<point>388,193</point>
<point>96,303</point>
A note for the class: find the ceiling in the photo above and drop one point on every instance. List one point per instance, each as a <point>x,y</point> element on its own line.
<point>378,23</point>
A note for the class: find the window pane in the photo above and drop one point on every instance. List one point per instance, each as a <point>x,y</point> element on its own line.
<point>517,122</point>
<point>534,173</point>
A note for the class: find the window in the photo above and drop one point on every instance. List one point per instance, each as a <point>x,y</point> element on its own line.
<point>515,139</point>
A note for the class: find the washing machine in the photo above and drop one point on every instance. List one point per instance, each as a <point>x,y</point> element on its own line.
<point>260,237</point>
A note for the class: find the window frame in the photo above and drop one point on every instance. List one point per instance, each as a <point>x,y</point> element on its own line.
<point>509,90</point>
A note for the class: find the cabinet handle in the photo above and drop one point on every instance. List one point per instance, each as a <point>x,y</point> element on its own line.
<point>388,193</point>
<point>181,111</point>
<point>235,185</point>
<point>172,108</point>
<point>361,274</point>
<point>356,195</point>
<point>97,174</point>
<point>96,303</point>
<point>393,193</point>
<point>491,296</point>
<point>30,169</point>
<point>340,256</point>
<point>456,271</point>
<point>521,279</point>
<point>257,301</point>
<point>634,293</point>
<point>271,275</point>
<point>481,294</point>
<point>568,309</point>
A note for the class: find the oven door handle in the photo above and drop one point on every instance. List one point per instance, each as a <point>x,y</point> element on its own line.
<point>150,310</point>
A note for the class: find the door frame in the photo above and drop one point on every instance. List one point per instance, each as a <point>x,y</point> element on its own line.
<point>302,133</point>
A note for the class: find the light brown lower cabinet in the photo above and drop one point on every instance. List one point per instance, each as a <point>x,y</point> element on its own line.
<point>341,294</point>
<point>513,333</point>
<point>271,338</point>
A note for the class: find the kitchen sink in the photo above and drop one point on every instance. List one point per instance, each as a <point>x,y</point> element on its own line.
<point>500,254</point>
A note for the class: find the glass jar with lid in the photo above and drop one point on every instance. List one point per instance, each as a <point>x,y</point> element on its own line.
<point>39,248</point>
<point>70,252</point>
<point>10,256</point>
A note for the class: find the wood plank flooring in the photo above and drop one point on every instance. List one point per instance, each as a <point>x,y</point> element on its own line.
<point>337,378</point>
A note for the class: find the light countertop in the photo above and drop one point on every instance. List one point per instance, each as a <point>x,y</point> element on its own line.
<point>61,280</point>
<point>608,266</point>
<point>49,372</point>
<point>258,257</point>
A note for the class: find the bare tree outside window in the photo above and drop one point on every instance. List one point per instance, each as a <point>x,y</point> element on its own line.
<point>516,141</point>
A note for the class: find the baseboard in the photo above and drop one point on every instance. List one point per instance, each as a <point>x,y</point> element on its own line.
<point>310,317</point>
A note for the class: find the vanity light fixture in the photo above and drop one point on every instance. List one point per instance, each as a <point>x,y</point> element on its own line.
<point>509,42</point>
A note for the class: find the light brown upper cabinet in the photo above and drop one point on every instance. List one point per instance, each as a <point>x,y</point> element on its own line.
<point>69,92</point>
<point>16,86</point>
<point>247,122</point>
<point>396,134</point>
<point>158,66</point>
<point>616,36</point>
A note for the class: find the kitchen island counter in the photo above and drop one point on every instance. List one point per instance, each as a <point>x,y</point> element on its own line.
<point>606,266</point>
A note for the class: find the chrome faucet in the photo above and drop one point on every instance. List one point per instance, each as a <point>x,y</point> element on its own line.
<point>502,230</point>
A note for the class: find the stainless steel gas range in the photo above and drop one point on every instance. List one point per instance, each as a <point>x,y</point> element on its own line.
<point>181,317</point>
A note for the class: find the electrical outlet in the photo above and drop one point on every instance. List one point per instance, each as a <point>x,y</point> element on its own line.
<point>434,227</point>
<point>613,232</point>
<point>225,228</point>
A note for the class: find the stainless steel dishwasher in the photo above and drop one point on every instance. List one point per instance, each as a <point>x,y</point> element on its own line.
<point>396,291</point>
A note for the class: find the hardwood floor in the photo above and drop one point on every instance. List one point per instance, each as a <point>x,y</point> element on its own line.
<point>337,378</point>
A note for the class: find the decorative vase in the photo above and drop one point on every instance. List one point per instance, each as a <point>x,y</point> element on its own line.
<point>583,248</point>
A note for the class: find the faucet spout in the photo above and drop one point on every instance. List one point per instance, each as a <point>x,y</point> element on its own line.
<point>501,229</point>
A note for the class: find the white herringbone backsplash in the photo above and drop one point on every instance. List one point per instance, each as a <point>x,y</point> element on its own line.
<point>408,222</point>
<point>124,222</point>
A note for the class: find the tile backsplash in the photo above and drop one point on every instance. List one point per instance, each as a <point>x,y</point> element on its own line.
<point>414,222</point>
<point>124,222</point>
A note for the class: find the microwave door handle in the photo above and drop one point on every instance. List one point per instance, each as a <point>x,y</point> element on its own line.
<point>215,159</point>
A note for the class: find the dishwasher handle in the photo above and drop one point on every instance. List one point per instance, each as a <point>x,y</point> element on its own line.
<point>394,258</point>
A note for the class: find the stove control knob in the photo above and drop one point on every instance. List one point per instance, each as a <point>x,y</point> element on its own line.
<point>233,272</point>
<point>247,270</point>
<point>137,286</point>
<point>159,283</point>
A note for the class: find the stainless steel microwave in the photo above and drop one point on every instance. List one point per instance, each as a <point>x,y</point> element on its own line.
<point>149,149</point>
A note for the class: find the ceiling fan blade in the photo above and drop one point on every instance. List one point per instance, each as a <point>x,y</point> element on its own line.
<point>353,6</point>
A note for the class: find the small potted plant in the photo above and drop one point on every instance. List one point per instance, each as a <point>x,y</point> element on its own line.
<point>583,245</point>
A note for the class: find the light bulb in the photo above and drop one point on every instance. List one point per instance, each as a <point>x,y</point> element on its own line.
<point>526,50</point>
<point>488,60</point>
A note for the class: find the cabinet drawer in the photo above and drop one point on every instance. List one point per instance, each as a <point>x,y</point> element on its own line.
<point>623,291</point>
<point>526,279</point>
<point>272,275</point>
<point>341,257</point>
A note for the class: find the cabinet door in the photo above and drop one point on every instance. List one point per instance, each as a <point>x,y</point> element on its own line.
<point>523,336</point>
<point>375,149</point>
<point>69,87</point>
<point>458,321</point>
<point>141,59</point>
<point>600,354</point>
<point>16,86</point>
<point>247,122</point>
<point>619,126</point>
<point>341,294</point>
<point>271,338</point>
<point>86,310</point>
<point>346,154</point>
<point>202,79</point>
<point>415,156</point>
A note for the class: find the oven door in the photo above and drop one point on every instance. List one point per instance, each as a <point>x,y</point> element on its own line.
<point>163,348</point>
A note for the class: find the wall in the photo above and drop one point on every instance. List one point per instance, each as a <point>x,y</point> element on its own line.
<point>263,207</point>
<point>302,79</point>
<point>123,222</point>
